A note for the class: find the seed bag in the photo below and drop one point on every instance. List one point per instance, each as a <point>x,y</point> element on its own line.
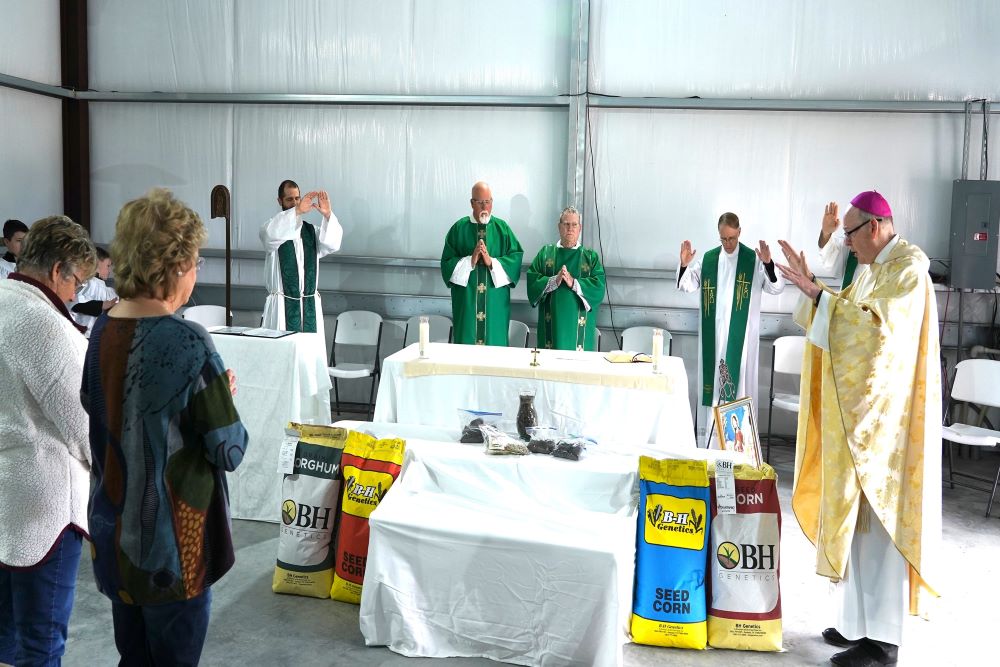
<point>308,509</point>
<point>745,609</point>
<point>370,467</point>
<point>669,604</point>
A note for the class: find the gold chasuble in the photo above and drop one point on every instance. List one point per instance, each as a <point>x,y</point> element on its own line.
<point>870,423</point>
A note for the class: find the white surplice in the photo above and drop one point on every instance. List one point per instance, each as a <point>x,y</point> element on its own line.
<point>690,281</point>
<point>287,226</point>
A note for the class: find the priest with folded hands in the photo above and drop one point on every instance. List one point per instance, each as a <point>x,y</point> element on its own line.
<point>566,284</point>
<point>480,263</point>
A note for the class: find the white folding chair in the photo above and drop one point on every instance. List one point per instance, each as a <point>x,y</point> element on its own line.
<point>440,329</point>
<point>786,358</point>
<point>358,328</point>
<point>640,339</point>
<point>977,384</point>
<point>206,316</point>
<point>517,334</point>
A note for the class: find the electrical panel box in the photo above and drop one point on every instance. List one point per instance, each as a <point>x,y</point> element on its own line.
<point>975,226</point>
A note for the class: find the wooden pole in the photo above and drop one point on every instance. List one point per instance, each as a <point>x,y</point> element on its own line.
<point>221,207</point>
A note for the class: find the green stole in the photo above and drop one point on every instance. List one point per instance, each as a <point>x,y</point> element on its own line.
<point>300,312</point>
<point>737,321</point>
<point>849,268</point>
<point>482,277</point>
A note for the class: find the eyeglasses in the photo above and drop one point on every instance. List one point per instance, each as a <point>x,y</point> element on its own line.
<point>198,263</point>
<point>78,284</point>
<point>847,234</point>
<point>481,202</point>
<point>729,239</point>
<point>569,225</point>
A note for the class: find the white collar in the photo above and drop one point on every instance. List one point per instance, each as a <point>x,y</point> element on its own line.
<point>476,222</point>
<point>560,245</point>
<point>884,253</point>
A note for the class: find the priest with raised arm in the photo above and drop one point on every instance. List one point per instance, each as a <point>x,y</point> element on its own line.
<point>294,247</point>
<point>867,490</point>
<point>836,258</point>
<point>566,284</point>
<point>481,262</point>
<point>731,278</point>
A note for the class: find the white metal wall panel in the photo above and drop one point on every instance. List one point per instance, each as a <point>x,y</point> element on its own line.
<point>31,146</point>
<point>399,177</point>
<point>790,49</point>
<point>513,47</point>
<point>134,147</point>
<point>666,176</point>
<point>161,45</point>
<point>29,40</point>
<point>508,47</point>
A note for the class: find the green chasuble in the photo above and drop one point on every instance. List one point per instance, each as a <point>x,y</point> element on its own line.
<point>480,311</point>
<point>564,323</point>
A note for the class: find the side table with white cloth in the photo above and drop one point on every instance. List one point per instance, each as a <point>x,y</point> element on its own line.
<point>523,559</point>
<point>612,402</point>
<point>277,381</point>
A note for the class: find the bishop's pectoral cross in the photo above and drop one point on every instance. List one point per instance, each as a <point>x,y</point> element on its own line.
<point>742,290</point>
<point>707,294</point>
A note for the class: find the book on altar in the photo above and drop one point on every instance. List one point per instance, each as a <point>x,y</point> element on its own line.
<point>625,357</point>
<point>258,332</point>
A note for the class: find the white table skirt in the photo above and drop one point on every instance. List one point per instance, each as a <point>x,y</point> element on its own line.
<point>523,559</point>
<point>277,381</point>
<point>607,413</point>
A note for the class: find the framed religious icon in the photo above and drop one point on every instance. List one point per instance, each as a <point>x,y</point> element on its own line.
<point>737,430</point>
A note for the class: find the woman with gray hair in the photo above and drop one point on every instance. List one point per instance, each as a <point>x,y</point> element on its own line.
<point>44,454</point>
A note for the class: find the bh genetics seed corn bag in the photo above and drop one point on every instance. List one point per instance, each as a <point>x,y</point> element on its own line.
<point>370,467</point>
<point>669,604</point>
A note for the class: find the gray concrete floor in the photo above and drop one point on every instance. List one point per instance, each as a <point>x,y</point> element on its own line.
<point>252,626</point>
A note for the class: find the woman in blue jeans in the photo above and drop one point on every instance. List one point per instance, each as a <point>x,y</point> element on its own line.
<point>44,457</point>
<point>163,432</point>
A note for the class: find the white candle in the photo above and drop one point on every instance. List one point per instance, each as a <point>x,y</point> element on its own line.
<point>425,336</point>
<point>657,349</point>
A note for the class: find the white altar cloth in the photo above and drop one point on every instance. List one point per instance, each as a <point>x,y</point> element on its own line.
<point>609,402</point>
<point>277,381</point>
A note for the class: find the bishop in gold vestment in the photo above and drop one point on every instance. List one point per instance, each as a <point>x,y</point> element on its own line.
<point>867,488</point>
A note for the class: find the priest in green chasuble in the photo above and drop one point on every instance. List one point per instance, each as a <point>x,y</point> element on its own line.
<point>291,269</point>
<point>867,489</point>
<point>730,279</point>
<point>566,284</point>
<point>481,262</point>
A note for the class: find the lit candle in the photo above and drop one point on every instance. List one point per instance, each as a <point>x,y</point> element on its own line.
<point>657,349</point>
<point>425,335</point>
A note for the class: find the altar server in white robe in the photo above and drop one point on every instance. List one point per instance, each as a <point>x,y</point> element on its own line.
<point>294,247</point>
<point>731,278</point>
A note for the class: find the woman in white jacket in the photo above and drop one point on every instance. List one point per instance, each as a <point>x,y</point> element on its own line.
<point>44,449</point>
